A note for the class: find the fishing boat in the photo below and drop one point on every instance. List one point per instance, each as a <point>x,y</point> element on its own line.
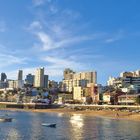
<point>49,124</point>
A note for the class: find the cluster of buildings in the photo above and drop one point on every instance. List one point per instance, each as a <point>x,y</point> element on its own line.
<point>124,89</point>
<point>127,81</point>
<point>39,80</point>
<point>34,88</point>
<point>80,87</point>
<point>84,88</point>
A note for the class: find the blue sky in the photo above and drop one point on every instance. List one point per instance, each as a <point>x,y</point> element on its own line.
<point>80,34</point>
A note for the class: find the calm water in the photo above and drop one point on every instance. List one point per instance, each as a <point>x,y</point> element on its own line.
<point>27,126</point>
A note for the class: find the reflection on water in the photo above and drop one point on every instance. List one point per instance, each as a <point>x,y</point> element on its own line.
<point>60,114</point>
<point>77,121</point>
<point>77,125</point>
<point>27,126</point>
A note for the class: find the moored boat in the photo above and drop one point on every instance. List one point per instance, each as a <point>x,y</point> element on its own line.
<point>49,124</point>
<point>5,119</point>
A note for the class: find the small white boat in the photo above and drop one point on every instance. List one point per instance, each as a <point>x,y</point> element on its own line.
<point>49,124</point>
<point>5,118</point>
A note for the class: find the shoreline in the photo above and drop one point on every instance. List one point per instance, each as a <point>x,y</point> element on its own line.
<point>92,113</point>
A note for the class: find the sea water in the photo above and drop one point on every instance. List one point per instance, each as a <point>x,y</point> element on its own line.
<point>27,126</point>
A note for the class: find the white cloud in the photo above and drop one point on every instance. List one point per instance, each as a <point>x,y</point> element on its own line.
<point>61,63</point>
<point>54,68</point>
<point>115,37</point>
<point>110,40</point>
<point>51,32</point>
<point>71,13</point>
<point>38,2</point>
<point>56,65</point>
<point>48,43</point>
<point>53,9</point>
<point>59,31</point>
<point>35,25</point>
<point>73,40</point>
<point>6,60</point>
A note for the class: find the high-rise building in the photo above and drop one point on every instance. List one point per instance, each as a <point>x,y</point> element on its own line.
<point>126,74</point>
<point>39,77</point>
<point>68,74</point>
<point>46,81</point>
<point>20,75</point>
<point>30,79</point>
<point>3,77</point>
<point>91,77</point>
<point>72,79</point>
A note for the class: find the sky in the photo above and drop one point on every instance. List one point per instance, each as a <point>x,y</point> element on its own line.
<point>84,35</point>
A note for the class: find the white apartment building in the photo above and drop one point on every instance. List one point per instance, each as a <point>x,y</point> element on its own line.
<point>111,81</point>
<point>78,93</point>
<point>39,77</point>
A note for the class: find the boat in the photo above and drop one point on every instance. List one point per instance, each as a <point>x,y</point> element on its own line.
<point>5,119</point>
<point>49,124</point>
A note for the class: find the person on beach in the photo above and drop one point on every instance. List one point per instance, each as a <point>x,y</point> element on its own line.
<point>117,115</point>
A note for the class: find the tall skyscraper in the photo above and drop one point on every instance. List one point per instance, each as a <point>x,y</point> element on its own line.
<point>20,75</point>
<point>30,79</point>
<point>39,77</point>
<point>3,77</point>
<point>46,81</point>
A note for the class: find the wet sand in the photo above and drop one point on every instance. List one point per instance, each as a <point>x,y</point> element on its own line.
<point>100,113</point>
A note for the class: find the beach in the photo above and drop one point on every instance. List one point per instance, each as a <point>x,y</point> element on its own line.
<point>122,115</point>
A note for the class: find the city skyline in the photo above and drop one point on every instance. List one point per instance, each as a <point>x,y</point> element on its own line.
<point>100,37</point>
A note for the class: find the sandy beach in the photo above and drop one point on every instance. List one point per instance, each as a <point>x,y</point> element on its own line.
<point>100,113</point>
